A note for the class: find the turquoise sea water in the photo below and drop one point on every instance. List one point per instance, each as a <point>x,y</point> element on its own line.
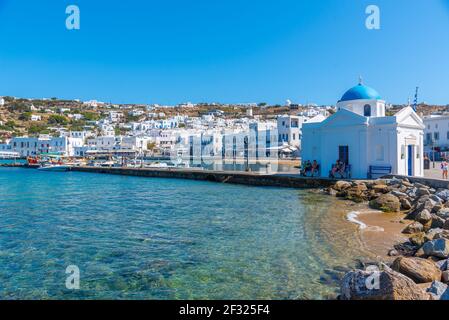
<point>143,238</point>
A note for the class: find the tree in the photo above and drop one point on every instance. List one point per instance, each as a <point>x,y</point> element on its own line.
<point>91,116</point>
<point>57,119</point>
<point>26,116</point>
<point>19,107</point>
<point>38,129</point>
<point>10,124</point>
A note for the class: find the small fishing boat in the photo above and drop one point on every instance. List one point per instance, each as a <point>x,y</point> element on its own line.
<point>54,167</point>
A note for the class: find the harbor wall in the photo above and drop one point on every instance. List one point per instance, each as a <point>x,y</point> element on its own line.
<point>275,180</point>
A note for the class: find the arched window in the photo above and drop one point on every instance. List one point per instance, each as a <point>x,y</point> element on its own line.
<point>367,110</point>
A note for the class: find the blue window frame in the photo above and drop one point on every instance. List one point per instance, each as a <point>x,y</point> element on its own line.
<point>367,110</point>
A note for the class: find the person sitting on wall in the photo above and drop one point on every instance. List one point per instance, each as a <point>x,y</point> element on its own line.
<point>335,169</point>
<point>342,169</point>
<point>307,167</point>
<point>315,167</point>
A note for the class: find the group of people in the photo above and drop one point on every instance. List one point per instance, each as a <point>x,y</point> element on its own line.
<point>313,168</point>
<point>310,167</point>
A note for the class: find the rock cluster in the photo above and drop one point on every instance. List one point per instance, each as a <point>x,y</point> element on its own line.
<point>421,269</point>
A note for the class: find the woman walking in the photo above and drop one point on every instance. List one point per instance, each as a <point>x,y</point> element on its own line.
<point>445,168</point>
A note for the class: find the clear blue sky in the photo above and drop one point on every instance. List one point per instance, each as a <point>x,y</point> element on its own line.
<point>159,51</point>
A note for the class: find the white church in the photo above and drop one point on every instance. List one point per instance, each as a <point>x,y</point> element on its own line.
<point>368,142</point>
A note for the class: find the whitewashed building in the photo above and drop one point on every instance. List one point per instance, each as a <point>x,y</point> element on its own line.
<point>35,117</point>
<point>289,130</point>
<point>32,146</point>
<point>363,137</point>
<point>436,132</point>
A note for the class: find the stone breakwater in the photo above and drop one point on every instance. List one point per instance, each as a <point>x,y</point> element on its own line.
<point>242,178</point>
<point>421,268</point>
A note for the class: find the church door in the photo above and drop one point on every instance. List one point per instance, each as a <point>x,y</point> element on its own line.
<point>410,160</point>
<point>343,154</point>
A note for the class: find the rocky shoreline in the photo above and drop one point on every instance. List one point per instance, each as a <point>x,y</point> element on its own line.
<point>421,268</point>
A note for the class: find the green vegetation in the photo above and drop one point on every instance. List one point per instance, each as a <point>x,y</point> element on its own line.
<point>38,129</point>
<point>91,116</point>
<point>130,118</point>
<point>8,126</point>
<point>117,131</point>
<point>18,106</point>
<point>58,120</point>
<point>26,116</point>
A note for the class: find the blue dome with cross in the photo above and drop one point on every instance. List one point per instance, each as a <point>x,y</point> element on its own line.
<point>360,92</point>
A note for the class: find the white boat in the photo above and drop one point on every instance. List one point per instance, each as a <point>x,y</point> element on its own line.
<point>54,167</point>
<point>157,165</point>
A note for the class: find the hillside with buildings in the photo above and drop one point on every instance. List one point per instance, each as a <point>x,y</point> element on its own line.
<point>75,128</point>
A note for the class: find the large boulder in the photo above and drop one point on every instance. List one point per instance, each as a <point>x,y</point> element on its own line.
<point>381,188</point>
<point>361,186</point>
<point>417,269</point>
<point>342,185</point>
<point>437,248</point>
<point>443,264</point>
<point>443,194</point>
<point>423,192</point>
<point>429,204</point>
<point>443,213</point>
<point>445,276</point>
<point>436,198</point>
<point>414,227</point>
<point>420,185</point>
<point>391,285</point>
<point>406,183</point>
<point>418,239</point>
<point>399,194</point>
<point>439,291</point>
<point>430,235</point>
<point>444,234</point>
<point>386,202</point>
<point>405,204</point>
<point>355,193</point>
<point>421,204</point>
<point>423,217</point>
<point>411,192</point>
<point>437,222</point>
<point>446,225</point>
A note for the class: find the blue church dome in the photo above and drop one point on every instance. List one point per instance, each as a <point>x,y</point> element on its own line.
<point>360,92</point>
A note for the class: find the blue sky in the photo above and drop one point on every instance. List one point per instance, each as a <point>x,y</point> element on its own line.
<point>159,51</point>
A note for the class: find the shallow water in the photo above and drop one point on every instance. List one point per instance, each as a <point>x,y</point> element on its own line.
<point>143,238</point>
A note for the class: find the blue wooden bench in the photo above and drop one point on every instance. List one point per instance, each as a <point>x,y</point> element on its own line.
<point>346,175</point>
<point>378,170</point>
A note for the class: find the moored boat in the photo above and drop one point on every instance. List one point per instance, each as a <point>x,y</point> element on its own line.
<point>54,167</point>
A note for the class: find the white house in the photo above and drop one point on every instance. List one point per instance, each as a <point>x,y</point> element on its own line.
<point>363,137</point>
<point>2,101</point>
<point>35,117</point>
<point>289,129</point>
<point>436,132</point>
